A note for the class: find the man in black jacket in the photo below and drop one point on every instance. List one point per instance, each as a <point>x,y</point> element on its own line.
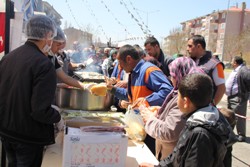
<point>27,88</point>
<point>153,49</point>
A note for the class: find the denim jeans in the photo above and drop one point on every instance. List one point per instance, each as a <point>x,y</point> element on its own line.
<point>21,154</point>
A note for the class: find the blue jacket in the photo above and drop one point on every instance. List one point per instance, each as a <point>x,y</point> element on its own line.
<point>146,80</point>
<point>116,72</point>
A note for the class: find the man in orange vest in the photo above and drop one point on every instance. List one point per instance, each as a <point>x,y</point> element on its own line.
<point>146,82</point>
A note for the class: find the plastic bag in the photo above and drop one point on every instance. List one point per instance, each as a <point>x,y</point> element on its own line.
<point>135,125</point>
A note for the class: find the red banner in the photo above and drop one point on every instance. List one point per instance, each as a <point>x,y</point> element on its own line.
<point>2,31</point>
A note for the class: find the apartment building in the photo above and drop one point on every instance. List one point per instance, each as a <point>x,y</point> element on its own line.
<point>217,26</point>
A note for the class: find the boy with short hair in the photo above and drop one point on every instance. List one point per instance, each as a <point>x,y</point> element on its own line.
<point>203,140</point>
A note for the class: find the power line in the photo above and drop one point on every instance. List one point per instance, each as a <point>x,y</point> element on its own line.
<point>148,31</point>
<point>133,17</point>
<point>125,29</point>
<point>80,27</point>
<point>94,16</point>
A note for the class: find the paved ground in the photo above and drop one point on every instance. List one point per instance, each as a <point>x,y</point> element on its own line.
<point>241,150</point>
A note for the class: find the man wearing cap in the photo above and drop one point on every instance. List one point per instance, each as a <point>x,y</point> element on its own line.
<point>27,88</point>
<point>58,44</point>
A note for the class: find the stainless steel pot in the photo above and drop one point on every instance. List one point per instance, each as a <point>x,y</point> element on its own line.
<point>73,98</point>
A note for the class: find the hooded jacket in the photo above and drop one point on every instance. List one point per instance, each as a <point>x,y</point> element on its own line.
<point>202,141</point>
<point>166,126</point>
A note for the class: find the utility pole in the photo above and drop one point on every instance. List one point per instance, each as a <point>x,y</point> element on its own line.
<point>147,13</point>
<point>223,49</point>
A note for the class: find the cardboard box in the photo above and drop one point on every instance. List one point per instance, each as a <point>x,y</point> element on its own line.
<point>92,149</point>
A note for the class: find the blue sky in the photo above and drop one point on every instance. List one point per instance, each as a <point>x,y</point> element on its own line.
<point>161,16</point>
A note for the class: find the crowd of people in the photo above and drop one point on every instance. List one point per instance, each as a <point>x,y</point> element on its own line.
<point>176,96</point>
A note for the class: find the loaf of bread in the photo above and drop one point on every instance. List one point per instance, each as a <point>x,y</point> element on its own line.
<point>99,90</point>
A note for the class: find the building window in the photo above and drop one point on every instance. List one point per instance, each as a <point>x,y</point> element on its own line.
<point>221,45</point>
<point>206,38</point>
<point>222,26</point>
<point>215,27</point>
<point>223,15</point>
<point>221,35</point>
<point>216,17</point>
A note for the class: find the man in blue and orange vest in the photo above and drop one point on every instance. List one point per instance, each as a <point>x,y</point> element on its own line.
<point>146,82</point>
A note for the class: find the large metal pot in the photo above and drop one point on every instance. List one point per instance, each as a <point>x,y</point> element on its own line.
<point>77,99</point>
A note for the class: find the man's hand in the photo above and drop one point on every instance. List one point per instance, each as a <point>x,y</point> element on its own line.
<point>88,86</point>
<point>56,108</point>
<point>112,80</point>
<point>81,66</point>
<point>140,101</point>
<point>60,125</point>
<point>147,112</point>
<point>124,104</point>
<point>122,84</point>
<point>109,82</point>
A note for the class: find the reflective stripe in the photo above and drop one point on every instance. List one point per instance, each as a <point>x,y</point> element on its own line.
<point>137,82</point>
<point>220,70</point>
<point>140,91</point>
<point>148,71</point>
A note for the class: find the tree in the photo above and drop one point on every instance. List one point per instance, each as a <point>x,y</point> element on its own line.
<point>232,47</point>
<point>212,44</point>
<point>245,41</point>
<point>176,41</point>
<point>237,45</point>
<point>88,28</point>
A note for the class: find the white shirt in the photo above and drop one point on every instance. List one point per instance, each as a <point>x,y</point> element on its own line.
<point>231,82</point>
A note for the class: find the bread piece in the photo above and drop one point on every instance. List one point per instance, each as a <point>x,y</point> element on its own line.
<point>99,90</point>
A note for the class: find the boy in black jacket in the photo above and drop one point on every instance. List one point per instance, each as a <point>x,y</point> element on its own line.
<point>203,140</point>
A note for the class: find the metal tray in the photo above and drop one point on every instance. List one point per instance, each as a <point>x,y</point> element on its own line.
<point>85,118</point>
<point>88,76</point>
